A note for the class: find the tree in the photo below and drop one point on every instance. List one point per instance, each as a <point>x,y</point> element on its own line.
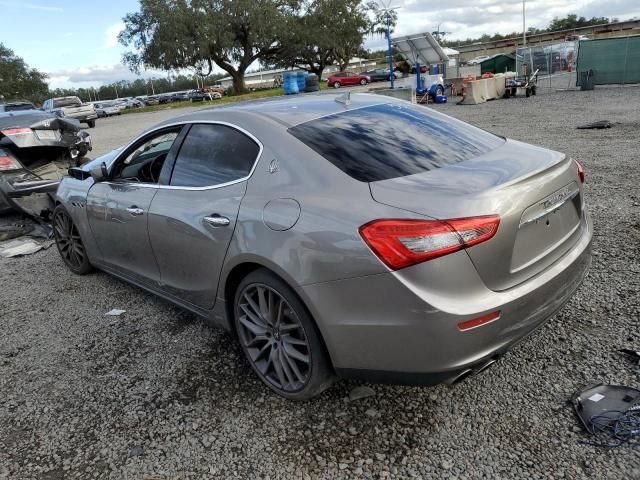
<point>196,34</point>
<point>18,81</point>
<point>328,31</point>
<point>572,21</point>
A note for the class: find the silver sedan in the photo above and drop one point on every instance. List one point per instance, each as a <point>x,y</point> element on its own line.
<point>371,239</point>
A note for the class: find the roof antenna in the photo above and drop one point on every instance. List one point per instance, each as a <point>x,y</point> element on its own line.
<point>345,98</point>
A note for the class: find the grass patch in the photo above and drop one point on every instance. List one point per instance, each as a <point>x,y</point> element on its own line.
<point>272,92</point>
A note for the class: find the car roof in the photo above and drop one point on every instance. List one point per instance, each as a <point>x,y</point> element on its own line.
<point>286,111</point>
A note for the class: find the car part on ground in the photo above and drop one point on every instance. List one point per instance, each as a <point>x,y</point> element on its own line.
<point>609,412</point>
<point>36,150</point>
<point>455,236</point>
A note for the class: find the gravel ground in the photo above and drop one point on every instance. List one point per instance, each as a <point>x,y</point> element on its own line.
<point>154,394</point>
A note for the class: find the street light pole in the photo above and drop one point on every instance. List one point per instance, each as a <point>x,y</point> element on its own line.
<point>391,72</point>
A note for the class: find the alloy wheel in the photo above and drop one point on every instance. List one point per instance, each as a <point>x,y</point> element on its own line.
<point>68,240</point>
<point>274,338</point>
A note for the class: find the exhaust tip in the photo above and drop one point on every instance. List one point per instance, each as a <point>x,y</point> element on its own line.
<point>460,377</point>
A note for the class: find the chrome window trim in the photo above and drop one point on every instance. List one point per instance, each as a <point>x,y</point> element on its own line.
<point>183,123</point>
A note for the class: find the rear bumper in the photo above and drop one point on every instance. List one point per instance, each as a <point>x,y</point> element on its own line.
<point>401,327</point>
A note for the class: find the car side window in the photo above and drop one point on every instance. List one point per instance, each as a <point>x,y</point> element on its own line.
<point>144,163</point>
<point>213,154</point>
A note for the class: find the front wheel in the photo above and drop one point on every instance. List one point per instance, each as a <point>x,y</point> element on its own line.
<point>279,338</point>
<point>363,82</point>
<point>69,242</point>
<point>336,84</point>
<point>91,123</point>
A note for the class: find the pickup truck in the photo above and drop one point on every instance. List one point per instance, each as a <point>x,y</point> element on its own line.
<point>72,107</point>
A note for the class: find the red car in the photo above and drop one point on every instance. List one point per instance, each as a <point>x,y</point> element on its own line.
<point>340,79</point>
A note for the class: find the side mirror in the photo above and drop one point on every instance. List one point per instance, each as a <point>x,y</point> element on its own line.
<point>99,173</point>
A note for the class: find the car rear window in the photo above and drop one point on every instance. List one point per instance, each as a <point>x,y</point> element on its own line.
<point>66,102</point>
<point>386,141</point>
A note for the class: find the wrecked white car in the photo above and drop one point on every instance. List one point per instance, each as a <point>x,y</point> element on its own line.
<point>36,151</point>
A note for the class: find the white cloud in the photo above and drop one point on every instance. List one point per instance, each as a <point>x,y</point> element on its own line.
<point>94,75</point>
<point>472,18</point>
<point>30,6</point>
<point>111,34</point>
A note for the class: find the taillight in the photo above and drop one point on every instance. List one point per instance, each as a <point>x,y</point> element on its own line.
<point>400,243</point>
<point>16,131</point>
<point>580,171</point>
<point>8,163</point>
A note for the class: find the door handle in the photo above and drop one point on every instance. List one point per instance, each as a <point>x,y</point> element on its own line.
<point>217,220</point>
<point>135,211</point>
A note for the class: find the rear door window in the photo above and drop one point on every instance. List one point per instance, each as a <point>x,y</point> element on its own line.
<point>386,141</point>
<point>214,154</point>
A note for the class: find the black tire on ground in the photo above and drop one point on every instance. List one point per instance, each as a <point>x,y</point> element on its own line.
<point>439,90</point>
<point>279,338</point>
<point>528,92</point>
<point>69,243</point>
<point>533,90</point>
<point>507,93</point>
<point>91,123</point>
<point>336,85</point>
<point>363,82</point>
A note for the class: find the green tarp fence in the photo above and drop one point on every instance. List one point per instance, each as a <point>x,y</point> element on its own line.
<point>613,60</point>
<point>498,64</point>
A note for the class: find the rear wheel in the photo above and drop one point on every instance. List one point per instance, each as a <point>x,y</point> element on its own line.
<point>91,123</point>
<point>69,242</point>
<point>279,338</point>
<point>363,81</point>
<point>336,84</point>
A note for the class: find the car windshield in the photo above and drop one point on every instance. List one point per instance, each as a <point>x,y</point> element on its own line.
<point>386,141</point>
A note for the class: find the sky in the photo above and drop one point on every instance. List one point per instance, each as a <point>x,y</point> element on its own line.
<point>75,41</point>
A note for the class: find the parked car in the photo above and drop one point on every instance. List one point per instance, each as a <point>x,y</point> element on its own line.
<point>423,69</point>
<point>106,109</point>
<point>456,243</point>
<point>379,74</point>
<point>72,107</point>
<point>36,150</point>
<point>16,105</point>
<point>344,79</point>
<point>478,60</point>
<point>202,95</point>
<point>151,100</point>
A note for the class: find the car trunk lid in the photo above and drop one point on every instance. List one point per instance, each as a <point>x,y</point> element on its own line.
<point>536,192</point>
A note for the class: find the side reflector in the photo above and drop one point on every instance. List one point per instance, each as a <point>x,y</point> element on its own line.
<point>478,322</point>
<point>580,171</point>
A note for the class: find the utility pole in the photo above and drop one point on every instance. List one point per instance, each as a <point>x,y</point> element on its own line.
<point>524,28</point>
<point>153,91</point>
<point>116,88</point>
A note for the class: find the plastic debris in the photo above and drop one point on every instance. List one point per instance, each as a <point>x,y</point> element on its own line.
<point>115,312</point>
<point>22,246</point>
<point>596,125</point>
<point>360,392</point>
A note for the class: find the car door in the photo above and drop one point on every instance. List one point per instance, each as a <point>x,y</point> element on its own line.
<point>350,79</point>
<point>117,209</point>
<point>192,220</point>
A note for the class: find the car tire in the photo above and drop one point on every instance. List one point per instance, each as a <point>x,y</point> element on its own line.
<point>69,243</point>
<point>287,351</point>
<point>336,85</point>
<point>91,123</point>
<point>363,82</point>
